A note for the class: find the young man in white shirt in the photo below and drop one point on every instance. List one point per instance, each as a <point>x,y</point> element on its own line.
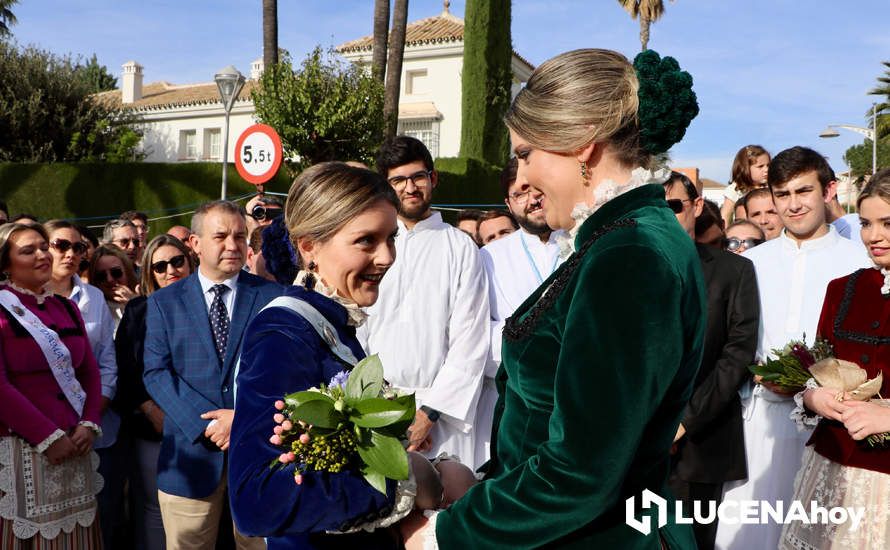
<point>793,271</point>
<point>516,265</point>
<point>430,325</point>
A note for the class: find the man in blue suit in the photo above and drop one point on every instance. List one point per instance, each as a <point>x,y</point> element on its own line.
<point>192,343</point>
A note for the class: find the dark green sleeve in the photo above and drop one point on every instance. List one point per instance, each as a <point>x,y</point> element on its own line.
<point>622,346</point>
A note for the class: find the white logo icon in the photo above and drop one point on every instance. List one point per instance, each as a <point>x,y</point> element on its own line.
<point>649,499</point>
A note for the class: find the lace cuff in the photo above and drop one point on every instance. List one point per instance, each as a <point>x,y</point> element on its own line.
<point>96,429</point>
<point>53,437</point>
<point>804,418</point>
<point>406,491</point>
<point>429,532</point>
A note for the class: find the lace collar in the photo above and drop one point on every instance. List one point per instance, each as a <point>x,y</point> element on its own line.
<point>885,288</point>
<point>356,316</point>
<point>603,193</point>
<point>40,297</point>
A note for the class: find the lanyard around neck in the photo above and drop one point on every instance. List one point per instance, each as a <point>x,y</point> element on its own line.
<point>531,261</point>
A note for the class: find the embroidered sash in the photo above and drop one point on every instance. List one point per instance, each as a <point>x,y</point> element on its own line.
<point>57,355</point>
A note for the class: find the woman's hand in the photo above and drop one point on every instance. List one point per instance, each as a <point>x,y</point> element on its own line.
<point>61,450</point>
<point>83,437</point>
<point>123,294</point>
<point>863,419</point>
<point>824,402</point>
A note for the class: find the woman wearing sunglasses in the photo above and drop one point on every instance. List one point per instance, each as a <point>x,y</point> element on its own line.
<point>112,271</point>
<point>165,261</point>
<point>66,247</point>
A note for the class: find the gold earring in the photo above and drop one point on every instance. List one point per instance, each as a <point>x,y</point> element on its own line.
<point>585,176</point>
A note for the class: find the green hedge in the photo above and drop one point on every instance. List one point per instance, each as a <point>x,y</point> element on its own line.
<point>94,193</point>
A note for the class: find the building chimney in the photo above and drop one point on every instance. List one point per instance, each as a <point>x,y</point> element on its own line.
<point>256,69</point>
<point>131,82</point>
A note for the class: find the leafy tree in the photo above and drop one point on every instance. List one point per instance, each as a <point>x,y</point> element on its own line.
<point>394,68</point>
<point>96,77</point>
<point>647,11</point>
<point>48,112</point>
<point>324,110</point>
<point>858,157</point>
<point>486,80</point>
<point>7,18</point>
<point>270,33</point>
<point>883,88</point>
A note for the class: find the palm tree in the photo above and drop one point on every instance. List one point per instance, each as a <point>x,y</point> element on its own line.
<point>270,33</point>
<point>381,32</point>
<point>882,89</point>
<point>394,68</point>
<point>7,18</point>
<point>648,11</point>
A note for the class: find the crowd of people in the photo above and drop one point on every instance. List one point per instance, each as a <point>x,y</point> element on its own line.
<point>587,342</point>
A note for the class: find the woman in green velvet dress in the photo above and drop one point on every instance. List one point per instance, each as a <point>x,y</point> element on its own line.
<point>599,362</point>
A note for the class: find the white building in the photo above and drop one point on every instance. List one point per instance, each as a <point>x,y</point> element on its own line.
<point>430,95</point>
<point>185,122</point>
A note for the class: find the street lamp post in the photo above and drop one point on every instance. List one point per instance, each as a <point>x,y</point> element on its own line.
<point>869,133</point>
<point>229,81</point>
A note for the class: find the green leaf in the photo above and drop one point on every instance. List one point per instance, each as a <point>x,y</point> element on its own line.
<point>376,412</point>
<point>300,397</point>
<point>319,413</point>
<point>386,455</point>
<point>375,479</point>
<point>365,380</point>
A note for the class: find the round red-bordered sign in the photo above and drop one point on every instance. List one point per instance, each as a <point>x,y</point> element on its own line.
<point>258,154</point>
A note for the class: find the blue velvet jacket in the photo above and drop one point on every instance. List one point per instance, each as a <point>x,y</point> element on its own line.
<point>282,354</point>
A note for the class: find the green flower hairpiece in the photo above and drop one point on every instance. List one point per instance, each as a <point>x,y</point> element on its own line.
<point>667,102</point>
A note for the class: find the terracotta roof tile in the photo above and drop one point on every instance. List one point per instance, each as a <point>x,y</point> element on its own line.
<point>439,29</point>
<point>162,95</point>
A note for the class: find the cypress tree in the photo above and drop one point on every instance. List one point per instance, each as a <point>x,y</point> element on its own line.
<point>486,80</point>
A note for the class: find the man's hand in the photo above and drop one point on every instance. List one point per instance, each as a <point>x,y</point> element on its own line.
<point>83,437</point>
<point>681,431</point>
<point>61,450</point>
<point>154,414</point>
<point>219,432</point>
<point>419,431</point>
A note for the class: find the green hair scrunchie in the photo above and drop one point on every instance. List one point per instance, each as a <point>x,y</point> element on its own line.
<point>667,102</point>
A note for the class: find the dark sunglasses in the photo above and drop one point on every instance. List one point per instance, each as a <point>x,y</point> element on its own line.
<point>175,261</point>
<point>115,272</point>
<point>732,244</point>
<point>125,242</point>
<point>677,204</point>
<point>64,245</point>
<point>261,213</point>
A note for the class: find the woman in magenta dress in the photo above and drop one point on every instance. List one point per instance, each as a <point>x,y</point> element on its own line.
<point>50,399</point>
<point>840,469</point>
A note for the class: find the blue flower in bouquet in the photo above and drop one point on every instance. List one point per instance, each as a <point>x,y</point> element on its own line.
<point>339,380</point>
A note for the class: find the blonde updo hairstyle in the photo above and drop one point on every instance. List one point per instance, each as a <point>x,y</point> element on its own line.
<point>326,196</point>
<point>581,97</point>
<point>877,186</point>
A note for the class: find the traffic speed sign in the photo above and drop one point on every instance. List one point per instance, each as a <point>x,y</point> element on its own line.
<point>258,153</point>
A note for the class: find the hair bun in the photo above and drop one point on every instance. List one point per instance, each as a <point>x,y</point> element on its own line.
<point>667,102</point>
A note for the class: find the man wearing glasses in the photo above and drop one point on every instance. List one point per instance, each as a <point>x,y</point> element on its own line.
<point>516,265</point>
<point>124,235</point>
<point>709,445</point>
<point>430,325</point>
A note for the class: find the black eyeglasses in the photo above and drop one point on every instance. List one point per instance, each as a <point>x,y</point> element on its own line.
<point>262,213</point>
<point>126,242</point>
<point>419,179</point>
<point>64,245</point>
<point>677,205</point>
<point>161,266</point>
<point>115,272</point>
<point>732,244</point>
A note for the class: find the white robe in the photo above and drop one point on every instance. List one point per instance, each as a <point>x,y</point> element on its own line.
<point>516,265</point>
<point>430,327</point>
<point>792,281</point>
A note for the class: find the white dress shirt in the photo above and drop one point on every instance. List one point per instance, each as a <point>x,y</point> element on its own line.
<point>430,327</point>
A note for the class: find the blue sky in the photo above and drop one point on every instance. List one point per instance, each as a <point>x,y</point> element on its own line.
<point>773,72</point>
